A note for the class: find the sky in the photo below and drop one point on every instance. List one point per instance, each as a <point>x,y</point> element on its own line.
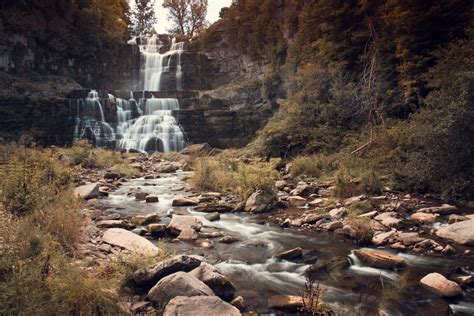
<point>213,9</point>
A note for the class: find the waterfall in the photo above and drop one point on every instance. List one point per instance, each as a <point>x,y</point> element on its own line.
<point>156,129</point>
<point>91,124</point>
<point>156,64</point>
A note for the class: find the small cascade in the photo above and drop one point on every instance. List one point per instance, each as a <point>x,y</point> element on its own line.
<point>156,64</point>
<point>90,121</point>
<point>156,130</point>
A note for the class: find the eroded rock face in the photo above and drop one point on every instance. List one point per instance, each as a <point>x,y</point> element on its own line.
<point>153,274</point>
<point>177,284</point>
<point>213,278</point>
<point>199,305</point>
<point>460,232</point>
<point>438,284</point>
<point>129,241</point>
<point>379,259</point>
<point>260,201</point>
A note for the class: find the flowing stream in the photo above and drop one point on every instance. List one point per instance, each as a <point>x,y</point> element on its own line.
<point>251,265</point>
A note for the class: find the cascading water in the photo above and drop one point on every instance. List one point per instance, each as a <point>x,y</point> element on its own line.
<point>156,64</point>
<point>91,124</point>
<point>156,129</point>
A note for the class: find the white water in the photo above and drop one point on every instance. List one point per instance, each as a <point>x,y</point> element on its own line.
<point>157,125</point>
<point>88,125</point>
<point>156,64</point>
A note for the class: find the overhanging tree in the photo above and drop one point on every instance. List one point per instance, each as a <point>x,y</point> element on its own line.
<point>188,16</point>
<point>142,17</point>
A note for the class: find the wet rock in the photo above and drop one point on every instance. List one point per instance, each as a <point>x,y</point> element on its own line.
<point>145,220</point>
<point>199,305</point>
<point>210,234</point>
<point>182,201</point>
<point>454,218</point>
<point>183,222</point>
<point>383,238</point>
<point>303,189</point>
<point>206,243</point>
<point>214,207</point>
<point>441,286</point>
<point>213,278</point>
<point>328,266</point>
<point>259,201</point>
<point>461,232</point>
<point>152,199</point>
<point>177,284</point>
<point>238,302</point>
<point>444,209</point>
<point>379,259</point>
<point>424,217</point>
<point>465,280</point>
<point>409,239</point>
<point>151,275</point>
<point>227,240</point>
<point>338,213</point>
<point>448,250</point>
<point>311,218</point>
<point>187,234</point>
<point>88,191</point>
<point>291,254</point>
<point>296,201</point>
<point>112,223</point>
<point>213,216</point>
<point>426,244</point>
<point>332,225</point>
<point>140,231</point>
<point>287,302</point>
<point>156,229</point>
<point>129,241</point>
<point>141,196</point>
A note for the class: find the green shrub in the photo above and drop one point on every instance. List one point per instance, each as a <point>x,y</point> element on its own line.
<point>350,183</point>
<point>126,169</point>
<point>315,166</point>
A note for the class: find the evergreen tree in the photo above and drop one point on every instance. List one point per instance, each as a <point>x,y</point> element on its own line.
<point>142,17</point>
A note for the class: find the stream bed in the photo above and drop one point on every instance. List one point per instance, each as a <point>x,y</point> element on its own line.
<point>251,263</point>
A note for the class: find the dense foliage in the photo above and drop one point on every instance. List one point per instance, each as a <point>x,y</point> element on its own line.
<point>365,78</point>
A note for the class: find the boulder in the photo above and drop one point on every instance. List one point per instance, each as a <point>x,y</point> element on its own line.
<point>129,241</point>
<point>409,239</point>
<point>444,209</point>
<point>328,266</point>
<point>182,201</point>
<point>156,229</point>
<point>441,286</point>
<point>287,302</point>
<point>177,284</point>
<point>227,240</point>
<point>152,199</point>
<point>303,189</point>
<point>151,275</point>
<point>199,305</point>
<point>383,238</point>
<point>214,207</point>
<point>296,201</point>
<point>213,278</point>
<point>141,196</point>
<point>291,254</point>
<point>424,217</point>
<point>332,225</point>
<point>213,216</point>
<point>379,259</point>
<point>187,234</point>
<point>183,222</point>
<point>454,218</point>
<point>88,191</point>
<point>259,201</point>
<point>338,213</point>
<point>460,232</point>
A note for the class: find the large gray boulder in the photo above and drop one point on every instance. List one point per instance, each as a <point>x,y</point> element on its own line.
<point>150,276</point>
<point>177,284</point>
<point>88,191</point>
<point>199,305</point>
<point>460,232</point>
<point>130,241</point>
<point>260,201</point>
<point>213,278</point>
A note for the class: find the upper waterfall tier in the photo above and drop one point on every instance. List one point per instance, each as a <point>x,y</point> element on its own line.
<point>157,67</point>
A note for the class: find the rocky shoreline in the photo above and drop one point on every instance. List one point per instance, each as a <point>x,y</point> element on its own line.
<point>396,221</point>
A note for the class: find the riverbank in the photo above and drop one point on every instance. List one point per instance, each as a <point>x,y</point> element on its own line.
<point>290,240</point>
